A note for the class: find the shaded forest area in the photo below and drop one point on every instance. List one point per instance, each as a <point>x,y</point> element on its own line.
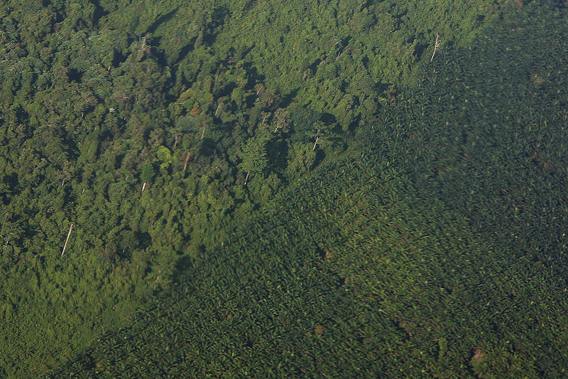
<point>284,188</point>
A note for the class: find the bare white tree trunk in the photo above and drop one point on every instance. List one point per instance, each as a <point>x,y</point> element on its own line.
<point>436,45</point>
<point>67,240</point>
<point>186,160</point>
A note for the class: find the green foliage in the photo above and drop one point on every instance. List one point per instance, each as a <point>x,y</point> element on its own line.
<point>378,263</point>
<point>148,173</point>
<point>254,155</point>
<point>165,157</point>
<point>398,218</point>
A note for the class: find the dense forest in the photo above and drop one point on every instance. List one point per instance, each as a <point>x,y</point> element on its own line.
<point>246,188</point>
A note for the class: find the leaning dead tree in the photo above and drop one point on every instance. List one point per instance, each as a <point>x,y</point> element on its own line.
<point>186,161</point>
<point>317,139</point>
<point>436,46</point>
<point>67,240</point>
